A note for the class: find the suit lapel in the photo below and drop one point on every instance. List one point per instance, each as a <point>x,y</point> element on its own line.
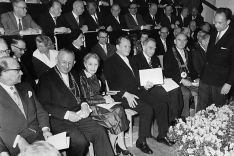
<point>223,38</point>
<point>124,65</point>
<point>144,61</point>
<point>23,97</point>
<point>101,51</point>
<point>12,17</point>
<point>6,99</point>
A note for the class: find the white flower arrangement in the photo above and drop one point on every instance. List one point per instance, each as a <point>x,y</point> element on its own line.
<point>209,132</point>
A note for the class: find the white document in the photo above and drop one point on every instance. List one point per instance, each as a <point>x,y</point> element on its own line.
<point>154,75</point>
<point>169,85</point>
<point>108,106</point>
<point>59,141</point>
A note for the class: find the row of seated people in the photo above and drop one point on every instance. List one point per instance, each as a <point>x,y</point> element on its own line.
<point>148,94</point>
<point>19,22</point>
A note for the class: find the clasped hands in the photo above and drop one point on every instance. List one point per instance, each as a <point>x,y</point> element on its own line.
<point>83,113</point>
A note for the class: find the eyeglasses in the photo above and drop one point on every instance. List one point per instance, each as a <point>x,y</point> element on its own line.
<point>16,69</point>
<point>5,51</point>
<point>104,37</point>
<point>24,8</point>
<point>133,8</point>
<point>21,49</point>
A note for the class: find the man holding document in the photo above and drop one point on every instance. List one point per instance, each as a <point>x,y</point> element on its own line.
<point>59,92</point>
<point>21,115</point>
<point>147,60</point>
<point>122,76</point>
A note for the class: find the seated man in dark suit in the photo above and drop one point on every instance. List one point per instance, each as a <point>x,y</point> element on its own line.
<point>168,19</point>
<point>183,18</point>
<point>199,52</point>
<point>115,21</point>
<point>51,21</point>
<point>178,66</point>
<point>18,22</point>
<point>163,44</point>
<point>59,93</point>
<point>151,17</point>
<point>20,112</point>
<point>133,19</point>
<point>93,19</point>
<point>195,16</point>
<point>74,19</point>
<point>123,77</point>
<point>18,48</point>
<point>147,60</point>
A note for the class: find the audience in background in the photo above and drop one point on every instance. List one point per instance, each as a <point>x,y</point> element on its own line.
<point>168,19</point>
<point>18,22</point>
<point>138,45</point>
<point>183,18</point>
<point>152,16</point>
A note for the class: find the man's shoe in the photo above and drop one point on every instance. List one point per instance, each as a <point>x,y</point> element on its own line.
<point>144,147</point>
<point>165,141</point>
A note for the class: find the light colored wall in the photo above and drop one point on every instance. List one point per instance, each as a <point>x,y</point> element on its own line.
<point>226,4</point>
<point>208,13</point>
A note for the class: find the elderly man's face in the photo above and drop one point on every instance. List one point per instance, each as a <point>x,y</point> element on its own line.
<point>18,49</point>
<point>79,8</point>
<point>180,41</point>
<point>20,9</point>
<point>168,10</point>
<point>221,22</point>
<point>149,48</point>
<point>65,62</point>
<point>115,10</point>
<point>92,9</point>
<point>153,9</point>
<point>57,9</point>
<point>4,51</point>
<point>12,74</point>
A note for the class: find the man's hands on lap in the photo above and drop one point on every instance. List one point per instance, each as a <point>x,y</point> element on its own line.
<point>131,98</point>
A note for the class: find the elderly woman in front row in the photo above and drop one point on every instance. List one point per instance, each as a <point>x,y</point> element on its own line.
<point>114,118</point>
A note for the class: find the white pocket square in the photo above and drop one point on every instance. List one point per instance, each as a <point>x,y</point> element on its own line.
<point>29,94</point>
<point>223,48</point>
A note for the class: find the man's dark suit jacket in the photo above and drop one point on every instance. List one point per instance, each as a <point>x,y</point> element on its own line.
<point>39,67</point>
<point>70,21</point>
<point>199,20</point>
<point>56,98</point>
<point>171,67</point>
<point>120,77</point>
<point>111,49</point>
<point>160,48</point>
<point>219,68</point>
<point>115,24</point>
<point>165,22</point>
<point>183,24</point>
<point>149,20</point>
<point>47,23</point>
<point>130,22</point>
<point>199,58</point>
<point>13,122</point>
<point>90,22</point>
<point>10,26</point>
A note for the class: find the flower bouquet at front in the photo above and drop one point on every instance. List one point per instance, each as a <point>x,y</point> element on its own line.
<point>208,133</point>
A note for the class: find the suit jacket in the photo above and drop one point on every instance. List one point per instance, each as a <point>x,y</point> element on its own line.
<point>184,23</point>
<point>199,20</point>
<point>130,22</point>
<point>56,98</point>
<point>47,23</point>
<point>90,22</point>
<point>160,48</point>
<point>111,49</point>
<point>165,22</point>
<point>13,122</point>
<point>115,24</point>
<point>39,67</point>
<point>220,67</point>
<point>70,21</point>
<point>171,67</point>
<point>120,77</point>
<point>149,20</point>
<point>10,26</point>
<point>199,58</point>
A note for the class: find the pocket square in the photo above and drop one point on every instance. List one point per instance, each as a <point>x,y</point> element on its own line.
<point>223,48</point>
<point>29,94</point>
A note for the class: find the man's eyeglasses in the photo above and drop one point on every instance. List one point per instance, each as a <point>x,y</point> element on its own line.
<point>21,49</point>
<point>5,51</point>
<point>22,7</point>
<point>16,69</point>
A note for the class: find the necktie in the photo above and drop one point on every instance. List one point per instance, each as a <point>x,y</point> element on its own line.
<point>134,16</point>
<point>218,37</point>
<point>77,20</point>
<point>17,100</point>
<point>150,63</point>
<point>96,19</point>
<point>104,48</point>
<point>54,19</point>
<point>117,19</point>
<point>164,45</point>
<point>20,25</point>
<point>169,17</point>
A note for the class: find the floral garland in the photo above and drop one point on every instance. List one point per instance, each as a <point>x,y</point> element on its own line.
<point>210,132</point>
